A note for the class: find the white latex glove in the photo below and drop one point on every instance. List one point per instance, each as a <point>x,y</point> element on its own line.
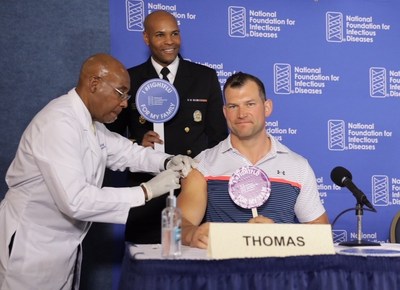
<point>161,183</point>
<point>182,163</point>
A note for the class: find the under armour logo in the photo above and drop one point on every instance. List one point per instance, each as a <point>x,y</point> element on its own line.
<point>280,172</point>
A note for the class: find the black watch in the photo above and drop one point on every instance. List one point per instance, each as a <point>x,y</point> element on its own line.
<point>166,162</point>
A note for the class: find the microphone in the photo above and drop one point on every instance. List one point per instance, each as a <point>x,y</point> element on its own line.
<point>342,177</point>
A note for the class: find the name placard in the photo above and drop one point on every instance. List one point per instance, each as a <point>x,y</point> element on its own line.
<point>244,240</point>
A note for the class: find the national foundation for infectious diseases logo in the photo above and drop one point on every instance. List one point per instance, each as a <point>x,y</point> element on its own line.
<point>134,15</point>
<point>377,82</point>
<point>339,236</point>
<point>380,190</point>
<point>282,78</point>
<point>303,79</point>
<point>336,135</point>
<point>334,27</point>
<point>237,21</point>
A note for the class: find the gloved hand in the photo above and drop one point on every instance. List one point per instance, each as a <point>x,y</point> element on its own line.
<point>161,183</point>
<point>181,163</point>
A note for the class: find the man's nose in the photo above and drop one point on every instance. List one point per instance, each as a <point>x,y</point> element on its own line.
<point>242,112</point>
<point>124,104</point>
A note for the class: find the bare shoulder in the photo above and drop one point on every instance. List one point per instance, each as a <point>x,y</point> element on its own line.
<point>193,176</point>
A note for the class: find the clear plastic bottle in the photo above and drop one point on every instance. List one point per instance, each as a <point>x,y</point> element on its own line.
<point>171,220</point>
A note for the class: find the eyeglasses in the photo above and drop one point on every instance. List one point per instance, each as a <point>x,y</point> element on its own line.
<point>123,96</point>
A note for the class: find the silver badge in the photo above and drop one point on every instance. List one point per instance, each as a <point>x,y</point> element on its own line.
<point>197,116</point>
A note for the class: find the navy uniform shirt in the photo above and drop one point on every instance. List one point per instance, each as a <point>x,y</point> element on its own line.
<point>199,124</point>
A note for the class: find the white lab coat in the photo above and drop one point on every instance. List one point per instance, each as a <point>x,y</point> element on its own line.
<point>55,192</point>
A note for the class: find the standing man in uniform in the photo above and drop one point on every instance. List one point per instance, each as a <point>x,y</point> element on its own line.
<point>199,123</point>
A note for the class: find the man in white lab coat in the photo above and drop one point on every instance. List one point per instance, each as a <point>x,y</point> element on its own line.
<point>56,177</point>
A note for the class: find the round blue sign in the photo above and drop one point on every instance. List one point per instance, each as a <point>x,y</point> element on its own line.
<point>157,100</point>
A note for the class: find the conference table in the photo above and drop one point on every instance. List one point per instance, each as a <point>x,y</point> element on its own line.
<point>143,268</point>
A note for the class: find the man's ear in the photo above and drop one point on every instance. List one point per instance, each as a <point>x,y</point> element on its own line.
<point>268,106</point>
<point>224,110</point>
<point>146,38</point>
<point>93,82</point>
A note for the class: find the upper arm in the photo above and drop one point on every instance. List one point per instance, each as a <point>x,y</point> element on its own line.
<point>322,219</point>
<point>193,197</point>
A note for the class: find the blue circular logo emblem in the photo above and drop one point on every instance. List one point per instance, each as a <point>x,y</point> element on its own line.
<point>157,101</point>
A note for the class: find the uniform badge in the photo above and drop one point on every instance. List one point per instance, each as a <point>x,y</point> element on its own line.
<point>142,120</point>
<point>197,116</point>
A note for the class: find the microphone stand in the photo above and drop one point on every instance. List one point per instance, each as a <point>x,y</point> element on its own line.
<point>359,242</point>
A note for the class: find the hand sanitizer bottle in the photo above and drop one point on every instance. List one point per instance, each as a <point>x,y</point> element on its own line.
<point>171,220</point>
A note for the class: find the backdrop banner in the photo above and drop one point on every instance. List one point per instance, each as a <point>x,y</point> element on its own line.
<point>332,69</point>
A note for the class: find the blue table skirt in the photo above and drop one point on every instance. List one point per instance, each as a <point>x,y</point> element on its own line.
<point>302,272</point>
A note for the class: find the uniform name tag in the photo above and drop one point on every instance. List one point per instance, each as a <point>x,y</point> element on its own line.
<point>244,240</point>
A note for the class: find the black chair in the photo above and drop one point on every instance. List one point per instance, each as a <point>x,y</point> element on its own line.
<point>395,229</point>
